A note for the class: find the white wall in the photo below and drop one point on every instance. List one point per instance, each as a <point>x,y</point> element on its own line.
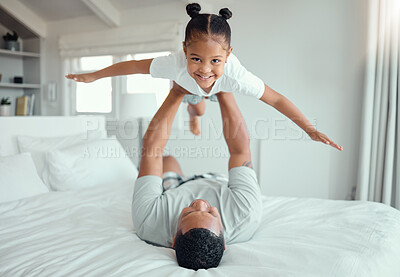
<point>311,51</point>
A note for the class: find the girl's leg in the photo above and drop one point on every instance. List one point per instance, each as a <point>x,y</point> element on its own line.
<point>194,112</point>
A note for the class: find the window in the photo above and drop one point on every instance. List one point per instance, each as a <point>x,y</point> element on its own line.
<point>95,97</point>
<point>144,83</point>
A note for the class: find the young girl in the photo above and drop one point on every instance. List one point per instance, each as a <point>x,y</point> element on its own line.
<point>205,67</point>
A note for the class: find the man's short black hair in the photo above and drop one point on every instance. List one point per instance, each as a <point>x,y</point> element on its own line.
<point>199,248</point>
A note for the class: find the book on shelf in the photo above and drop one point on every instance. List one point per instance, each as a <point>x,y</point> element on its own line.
<point>22,105</point>
<point>25,105</point>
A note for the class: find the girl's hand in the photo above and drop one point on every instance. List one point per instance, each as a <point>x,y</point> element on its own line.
<point>86,78</point>
<point>318,136</point>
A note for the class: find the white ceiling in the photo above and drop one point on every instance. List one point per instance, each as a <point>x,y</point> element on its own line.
<point>132,4</point>
<point>57,9</point>
<point>53,10</point>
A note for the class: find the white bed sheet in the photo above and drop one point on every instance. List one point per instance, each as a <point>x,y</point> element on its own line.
<point>90,233</point>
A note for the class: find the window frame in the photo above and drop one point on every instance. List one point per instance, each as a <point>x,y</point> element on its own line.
<point>115,86</point>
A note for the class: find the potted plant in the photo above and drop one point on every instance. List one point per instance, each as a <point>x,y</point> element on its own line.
<point>5,107</point>
<point>11,41</point>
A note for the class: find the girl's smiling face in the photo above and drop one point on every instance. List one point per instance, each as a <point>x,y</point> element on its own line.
<point>206,60</point>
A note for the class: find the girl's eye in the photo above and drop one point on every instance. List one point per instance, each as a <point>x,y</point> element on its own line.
<point>196,59</point>
<point>215,61</point>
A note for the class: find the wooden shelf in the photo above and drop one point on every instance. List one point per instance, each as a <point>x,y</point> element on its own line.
<point>6,52</point>
<point>11,85</point>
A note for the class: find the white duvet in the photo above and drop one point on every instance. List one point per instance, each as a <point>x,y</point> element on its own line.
<point>90,233</point>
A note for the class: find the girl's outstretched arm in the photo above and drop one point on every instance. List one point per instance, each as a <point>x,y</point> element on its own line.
<point>283,105</point>
<point>122,68</point>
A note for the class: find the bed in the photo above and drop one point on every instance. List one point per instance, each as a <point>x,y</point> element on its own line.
<point>88,231</point>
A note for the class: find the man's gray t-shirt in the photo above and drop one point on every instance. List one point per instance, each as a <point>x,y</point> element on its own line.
<point>155,213</point>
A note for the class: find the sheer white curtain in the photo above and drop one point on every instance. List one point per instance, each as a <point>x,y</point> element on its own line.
<point>378,176</point>
<point>155,37</point>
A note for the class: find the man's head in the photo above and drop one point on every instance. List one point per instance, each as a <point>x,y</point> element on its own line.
<point>199,241</point>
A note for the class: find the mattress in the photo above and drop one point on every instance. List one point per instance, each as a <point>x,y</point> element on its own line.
<point>90,233</point>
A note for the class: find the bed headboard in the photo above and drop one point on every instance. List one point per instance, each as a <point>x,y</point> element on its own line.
<point>44,126</point>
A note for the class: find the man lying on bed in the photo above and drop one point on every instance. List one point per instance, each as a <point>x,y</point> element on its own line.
<point>198,216</point>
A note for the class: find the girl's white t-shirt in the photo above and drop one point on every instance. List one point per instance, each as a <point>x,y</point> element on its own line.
<point>235,79</point>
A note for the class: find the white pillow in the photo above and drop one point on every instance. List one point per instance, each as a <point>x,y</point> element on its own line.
<point>100,162</point>
<point>38,146</point>
<point>18,178</point>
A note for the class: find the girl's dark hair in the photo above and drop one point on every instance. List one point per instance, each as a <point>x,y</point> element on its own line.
<point>207,24</point>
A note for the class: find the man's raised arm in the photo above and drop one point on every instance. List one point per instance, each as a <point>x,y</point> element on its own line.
<point>158,133</point>
<point>235,131</point>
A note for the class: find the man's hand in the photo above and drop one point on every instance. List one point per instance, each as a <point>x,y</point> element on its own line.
<point>177,89</point>
<point>85,78</point>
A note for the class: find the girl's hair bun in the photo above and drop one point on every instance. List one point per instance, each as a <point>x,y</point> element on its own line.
<point>193,9</point>
<point>225,13</point>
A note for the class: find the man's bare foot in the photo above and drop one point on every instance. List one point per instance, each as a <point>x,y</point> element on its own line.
<point>195,125</point>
